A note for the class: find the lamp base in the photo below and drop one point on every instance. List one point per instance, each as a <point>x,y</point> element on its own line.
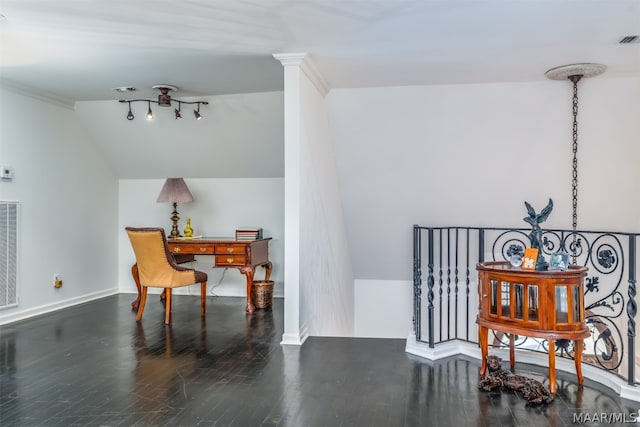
<point>175,232</point>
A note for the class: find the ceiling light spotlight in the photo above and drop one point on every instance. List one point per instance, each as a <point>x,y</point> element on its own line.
<point>164,100</point>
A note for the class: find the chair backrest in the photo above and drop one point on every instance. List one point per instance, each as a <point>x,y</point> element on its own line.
<point>156,267</point>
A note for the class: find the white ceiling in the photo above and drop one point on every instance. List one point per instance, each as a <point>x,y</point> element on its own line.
<point>80,50</point>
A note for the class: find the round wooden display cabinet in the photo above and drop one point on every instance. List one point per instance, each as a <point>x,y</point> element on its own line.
<point>540,304</point>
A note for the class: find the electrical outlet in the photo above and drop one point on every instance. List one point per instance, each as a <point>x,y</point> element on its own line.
<point>57,281</point>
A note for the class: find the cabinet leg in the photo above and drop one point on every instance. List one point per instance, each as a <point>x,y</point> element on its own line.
<point>512,352</point>
<point>577,357</point>
<point>483,337</point>
<point>552,367</point>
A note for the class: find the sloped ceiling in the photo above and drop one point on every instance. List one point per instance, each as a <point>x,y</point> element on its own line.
<point>80,50</point>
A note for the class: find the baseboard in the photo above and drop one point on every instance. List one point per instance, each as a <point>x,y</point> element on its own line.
<point>456,347</point>
<point>295,339</point>
<point>48,308</point>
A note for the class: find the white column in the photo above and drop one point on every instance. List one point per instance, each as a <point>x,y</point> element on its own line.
<point>292,174</point>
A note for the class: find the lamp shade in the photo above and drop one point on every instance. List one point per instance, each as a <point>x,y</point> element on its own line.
<point>175,191</point>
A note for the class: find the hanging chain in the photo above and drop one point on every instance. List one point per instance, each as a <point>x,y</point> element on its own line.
<point>574,180</point>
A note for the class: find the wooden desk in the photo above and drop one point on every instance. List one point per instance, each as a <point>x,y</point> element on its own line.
<point>541,304</point>
<point>245,255</point>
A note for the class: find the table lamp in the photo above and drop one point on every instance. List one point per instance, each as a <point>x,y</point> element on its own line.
<point>175,191</point>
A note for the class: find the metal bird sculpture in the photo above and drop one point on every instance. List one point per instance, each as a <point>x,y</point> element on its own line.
<point>535,237</point>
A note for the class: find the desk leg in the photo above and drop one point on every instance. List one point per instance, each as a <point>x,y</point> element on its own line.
<point>483,337</point>
<point>267,271</point>
<point>552,367</point>
<point>577,357</point>
<point>136,278</point>
<point>249,271</point>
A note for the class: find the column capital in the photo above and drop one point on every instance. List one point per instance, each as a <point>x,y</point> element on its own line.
<point>303,62</point>
<point>287,59</point>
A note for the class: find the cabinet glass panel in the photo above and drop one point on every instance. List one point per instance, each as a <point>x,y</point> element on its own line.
<point>562,305</point>
<point>575,307</point>
<point>494,297</point>
<point>533,302</point>
<point>518,294</point>
<point>505,299</point>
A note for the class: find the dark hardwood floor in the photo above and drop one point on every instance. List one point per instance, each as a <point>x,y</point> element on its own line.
<point>93,365</point>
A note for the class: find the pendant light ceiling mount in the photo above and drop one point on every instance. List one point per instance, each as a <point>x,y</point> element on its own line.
<point>164,100</point>
<point>573,73</point>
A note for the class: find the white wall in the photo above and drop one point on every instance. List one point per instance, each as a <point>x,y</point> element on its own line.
<point>69,205</point>
<point>470,155</point>
<point>383,308</point>
<point>219,207</point>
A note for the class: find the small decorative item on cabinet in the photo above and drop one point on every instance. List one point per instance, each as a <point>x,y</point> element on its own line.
<point>535,237</point>
<point>516,260</point>
<point>559,261</point>
<point>530,258</point>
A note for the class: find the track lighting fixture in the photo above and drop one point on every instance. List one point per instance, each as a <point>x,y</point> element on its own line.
<point>164,100</point>
<point>130,116</point>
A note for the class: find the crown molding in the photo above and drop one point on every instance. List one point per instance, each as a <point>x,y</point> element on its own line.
<point>303,60</point>
<point>38,94</point>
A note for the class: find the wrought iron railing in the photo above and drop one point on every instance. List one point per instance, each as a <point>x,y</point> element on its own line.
<point>446,299</point>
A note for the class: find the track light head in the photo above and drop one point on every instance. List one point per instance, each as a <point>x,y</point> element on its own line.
<point>149,112</point>
<point>197,112</point>
<point>130,115</point>
<point>178,115</point>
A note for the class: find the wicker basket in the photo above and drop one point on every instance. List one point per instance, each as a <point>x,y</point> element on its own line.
<point>262,293</point>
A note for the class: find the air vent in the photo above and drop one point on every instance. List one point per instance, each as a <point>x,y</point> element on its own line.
<point>630,39</point>
<point>8,254</point>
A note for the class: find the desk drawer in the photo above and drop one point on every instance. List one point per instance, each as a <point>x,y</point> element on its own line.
<point>222,260</point>
<point>179,249</point>
<point>229,249</point>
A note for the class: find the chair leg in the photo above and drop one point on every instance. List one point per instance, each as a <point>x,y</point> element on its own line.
<point>203,298</point>
<point>167,307</point>
<point>143,300</point>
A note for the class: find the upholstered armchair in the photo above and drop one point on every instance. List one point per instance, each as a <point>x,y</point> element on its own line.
<point>158,269</point>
